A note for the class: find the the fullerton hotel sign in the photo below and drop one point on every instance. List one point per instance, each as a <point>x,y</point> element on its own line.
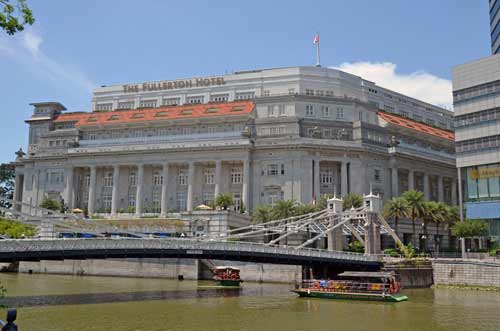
<point>174,84</point>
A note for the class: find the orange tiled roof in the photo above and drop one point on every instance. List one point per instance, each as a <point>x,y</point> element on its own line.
<point>158,114</point>
<point>416,126</point>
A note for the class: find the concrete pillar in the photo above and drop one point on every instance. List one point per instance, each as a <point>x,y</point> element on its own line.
<point>316,190</point>
<point>453,192</point>
<point>460,194</point>
<point>69,189</point>
<point>92,189</point>
<point>335,241</point>
<point>246,184</point>
<point>218,170</point>
<point>372,234</point>
<point>138,195</point>
<point>440,189</point>
<point>18,190</point>
<point>426,187</point>
<point>115,192</point>
<point>394,182</point>
<point>343,179</point>
<point>411,179</point>
<point>164,191</point>
<point>190,192</point>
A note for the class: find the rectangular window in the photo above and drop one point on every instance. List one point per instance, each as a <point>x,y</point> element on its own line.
<point>104,107</point>
<point>182,178</point>
<point>219,97</point>
<point>208,198</point>
<point>147,103</point>
<point>326,178</point>
<point>156,201</point>
<point>126,105</point>
<point>56,177</point>
<point>171,101</point>
<point>309,110</point>
<point>209,177</point>
<point>326,111</point>
<point>376,175</point>
<point>236,176</point>
<point>340,113</point>
<point>194,99</point>
<point>281,110</point>
<point>273,130</point>
<point>108,179</point>
<point>244,95</point>
<point>132,179</point>
<point>309,92</point>
<point>271,111</point>
<point>282,169</point>
<point>265,93</point>
<point>181,201</point>
<point>237,201</point>
<point>272,169</point>
<point>157,179</point>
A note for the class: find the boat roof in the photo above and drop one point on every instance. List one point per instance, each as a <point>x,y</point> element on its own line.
<point>367,274</point>
<point>226,267</point>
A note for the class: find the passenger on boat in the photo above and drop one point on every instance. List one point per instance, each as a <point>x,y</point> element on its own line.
<point>323,284</point>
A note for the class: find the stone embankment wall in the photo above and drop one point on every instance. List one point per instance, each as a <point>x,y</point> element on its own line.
<point>163,268</point>
<point>413,276</point>
<point>466,272</point>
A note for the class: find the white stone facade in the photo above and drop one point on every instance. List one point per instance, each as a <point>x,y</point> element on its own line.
<point>312,131</point>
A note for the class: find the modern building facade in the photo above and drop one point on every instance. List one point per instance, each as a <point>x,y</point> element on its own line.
<point>495,26</point>
<point>263,135</point>
<point>476,95</point>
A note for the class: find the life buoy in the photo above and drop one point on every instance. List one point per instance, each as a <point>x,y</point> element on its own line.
<point>316,284</point>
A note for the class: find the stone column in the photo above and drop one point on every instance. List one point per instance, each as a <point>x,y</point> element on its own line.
<point>92,188</point>
<point>394,182</point>
<point>343,178</point>
<point>440,188</point>
<point>453,192</point>
<point>411,179</point>
<point>164,191</point>
<point>335,238</point>
<point>218,169</point>
<point>372,234</point>
<point>17,196</point>
<point>69,190</point>
<point>138,195</point>
<point>190,192</point>
<point>316,191</point>
<point>426,187</point>
<point>115,192</point>
<point>246,184</point>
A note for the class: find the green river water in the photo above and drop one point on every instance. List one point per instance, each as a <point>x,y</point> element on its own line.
<point>53,302</point>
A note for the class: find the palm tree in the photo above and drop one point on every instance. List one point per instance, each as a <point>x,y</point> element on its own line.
<point>305,208</point>
<point>396,208</point>
<point>430,214</point>
<point>415,201</point>
<point>352,200</point>
<point>442,215</point>
<point>262,214</point>
<point>284,209</point>
<point>323,201</point>
<point>224,200</point>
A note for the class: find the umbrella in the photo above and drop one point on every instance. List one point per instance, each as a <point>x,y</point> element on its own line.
<point>203,207</point>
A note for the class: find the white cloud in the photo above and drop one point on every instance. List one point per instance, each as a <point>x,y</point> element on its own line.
<point>420,85</point>
<point>25,48</point>
<point>32,42</point>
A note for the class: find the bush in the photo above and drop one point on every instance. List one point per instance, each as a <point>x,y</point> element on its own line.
<point>15,229</point>
<point>51,204</point>
<point>470,228</point>
<point>356,247</point>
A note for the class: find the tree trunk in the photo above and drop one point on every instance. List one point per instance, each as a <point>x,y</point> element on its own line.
<point>416,243</point>
<point>438,238</point>
<point>396,228</point>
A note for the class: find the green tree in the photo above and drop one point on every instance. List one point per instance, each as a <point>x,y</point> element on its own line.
<point>352,200</point>
<point>443,215</point>
<point>396,208</point>
<point>305,208</point>
<point>7,175</point>
<point>470,228</point>
<point>415,201</point>
<point>15,15</point>
<point>323,202</point>
<point>284,209</point>
<point>262,214</point>
<point>224,200</point>
<point>51,204</point>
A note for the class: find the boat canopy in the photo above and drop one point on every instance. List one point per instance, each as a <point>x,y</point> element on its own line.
<point>367,274</point>
<point>225,268</point>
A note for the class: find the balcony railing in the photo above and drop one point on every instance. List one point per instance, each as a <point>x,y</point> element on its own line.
<point>161,139</point>
<point>426,151</point>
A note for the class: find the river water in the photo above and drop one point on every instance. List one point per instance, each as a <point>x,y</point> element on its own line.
<point>73,303</point>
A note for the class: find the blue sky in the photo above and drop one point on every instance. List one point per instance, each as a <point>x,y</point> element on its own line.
<point>76,45</point>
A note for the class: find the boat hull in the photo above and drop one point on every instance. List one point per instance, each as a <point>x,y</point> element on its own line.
<point>229,282</point>
<point>351,296</point>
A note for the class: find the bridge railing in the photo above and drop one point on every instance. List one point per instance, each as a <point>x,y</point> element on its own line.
<point>42,245</point>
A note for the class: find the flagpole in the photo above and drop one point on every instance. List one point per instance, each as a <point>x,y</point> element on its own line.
<point>318,63</point>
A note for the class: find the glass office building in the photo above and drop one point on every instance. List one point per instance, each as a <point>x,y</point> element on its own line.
<point>495,26</point>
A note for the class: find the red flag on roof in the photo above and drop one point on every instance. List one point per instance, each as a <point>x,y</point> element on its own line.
<point>316,39</point>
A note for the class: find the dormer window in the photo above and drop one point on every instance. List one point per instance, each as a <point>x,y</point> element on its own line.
<point>114,117</point>
<point>161,114</point>
<point>138,115</point>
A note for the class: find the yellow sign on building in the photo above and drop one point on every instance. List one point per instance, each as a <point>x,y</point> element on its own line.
<point>484,173</point>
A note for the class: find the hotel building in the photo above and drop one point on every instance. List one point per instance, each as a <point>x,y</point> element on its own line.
<point>159,148</point>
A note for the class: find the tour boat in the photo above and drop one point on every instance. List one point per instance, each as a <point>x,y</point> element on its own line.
<point>355,285</point>
<point>227,276</point>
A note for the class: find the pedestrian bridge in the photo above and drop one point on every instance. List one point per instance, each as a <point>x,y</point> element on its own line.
<point>58,249</point>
